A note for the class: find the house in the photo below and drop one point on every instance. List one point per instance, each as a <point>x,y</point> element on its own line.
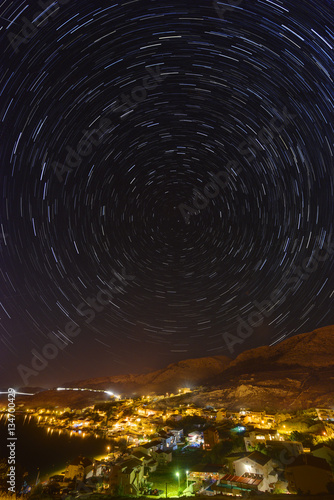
<point>184,390</point>
<point>252,417</point>
<point>178,434</point>
<point>126,478</point>
<point>147,448</point>
<point>133,439</point>
<point>149,412</point>
<point>150,464</point>
<point>260,436</point>
<point>237,485</point>
<point>100,468</point>
<point>257,417</point>
<point>195,438</point>
<point>162,456</point>
<point>325,414</point>
<point>323,451</point>
<point>232,415</point>
<point>269,420</point>
<point>140,455</point>
<point>232,457</point>
<point>78,468</point>
<point>192,409</point>
<point>168,441</point>
<point>211,438</point>
<point>209,413</point>
<point>221,415</point>
<point>176,417</point>
<point>199,473</point>
<point>309,475</point>
<point>256,465</point>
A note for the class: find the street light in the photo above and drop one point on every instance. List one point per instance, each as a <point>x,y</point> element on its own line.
<point>37,477</point>
<point>178,477</point>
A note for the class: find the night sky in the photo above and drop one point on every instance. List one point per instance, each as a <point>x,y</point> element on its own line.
<point>172,159</point>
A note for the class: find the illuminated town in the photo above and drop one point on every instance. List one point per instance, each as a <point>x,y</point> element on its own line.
<point>161,446</point>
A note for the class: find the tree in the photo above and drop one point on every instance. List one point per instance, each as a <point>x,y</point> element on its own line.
<point>303,437</point>
<point>280,488</point>
<point>39,493</point>
<point>219,452</point>
<point>122,444</point>
<point>261,447</point>
<point>20,473</point>
<point>281,417</point>
<point>331,464</point>
<point>3,474</point>
<point>330,443</point>
<point>238,443</point>
<point>119,490</point>
<point>330,487</point>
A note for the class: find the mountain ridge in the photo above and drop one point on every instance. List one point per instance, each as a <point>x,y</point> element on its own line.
<point>317,344</point>
<point>169,377</point>
<point>296,373</point>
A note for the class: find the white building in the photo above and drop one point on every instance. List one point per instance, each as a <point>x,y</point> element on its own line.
<point>257,465</point>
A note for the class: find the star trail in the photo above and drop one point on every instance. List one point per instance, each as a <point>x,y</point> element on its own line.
<point>166,165</point>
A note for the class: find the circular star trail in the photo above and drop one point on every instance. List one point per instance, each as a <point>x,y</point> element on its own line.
<point>174,158</point>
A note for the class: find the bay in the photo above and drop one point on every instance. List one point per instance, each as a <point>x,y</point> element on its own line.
<point>47,451</point>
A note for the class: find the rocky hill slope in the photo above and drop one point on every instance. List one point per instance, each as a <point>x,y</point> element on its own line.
<point>312,349</point>
<point>297,373</point>
<point>187,373</point>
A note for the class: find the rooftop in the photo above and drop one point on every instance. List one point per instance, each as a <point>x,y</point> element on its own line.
<point>259,458</point>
